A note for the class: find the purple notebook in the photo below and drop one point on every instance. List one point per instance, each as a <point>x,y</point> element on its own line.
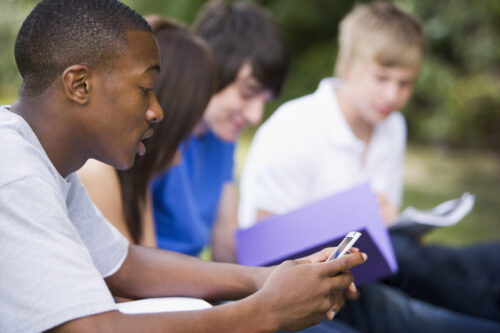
<point>321,224</point>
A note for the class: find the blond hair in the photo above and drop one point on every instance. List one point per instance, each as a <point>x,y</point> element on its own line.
<point>380,32</point>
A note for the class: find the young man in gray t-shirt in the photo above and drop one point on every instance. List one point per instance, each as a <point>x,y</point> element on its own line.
<point>88,68</point>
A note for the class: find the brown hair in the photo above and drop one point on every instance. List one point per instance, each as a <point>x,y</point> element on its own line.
<point>240,32</point>
<point>183,88</point>
<point>383,32</point>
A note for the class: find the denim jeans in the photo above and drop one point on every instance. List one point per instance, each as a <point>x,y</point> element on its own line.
<point>385,309</point>
<point>465,280</point>
<point>334,326</point>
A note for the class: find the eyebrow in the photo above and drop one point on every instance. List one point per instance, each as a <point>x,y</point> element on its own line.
<point>252,84</point>
<point>153,68</point>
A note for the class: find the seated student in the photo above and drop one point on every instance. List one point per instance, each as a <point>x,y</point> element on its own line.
<point>195,202</point>
<point>345,133</point>
<point>183,91</point>
<point>88,69</point>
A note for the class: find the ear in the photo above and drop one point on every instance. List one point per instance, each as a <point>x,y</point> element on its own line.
<point>76,82</point>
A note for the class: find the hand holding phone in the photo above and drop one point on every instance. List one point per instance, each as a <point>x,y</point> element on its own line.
<point>345,245</point>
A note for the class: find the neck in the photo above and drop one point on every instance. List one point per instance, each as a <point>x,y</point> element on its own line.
<point>50,126</point>
<point>361,128</point>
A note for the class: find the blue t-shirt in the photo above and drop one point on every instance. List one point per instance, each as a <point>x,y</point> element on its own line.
<point>186,197</point>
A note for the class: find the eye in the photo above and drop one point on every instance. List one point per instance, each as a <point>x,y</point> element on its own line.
<point>381,77</point>
<point>405,84</point>
<point>247,94</point>
<point>146,91</point>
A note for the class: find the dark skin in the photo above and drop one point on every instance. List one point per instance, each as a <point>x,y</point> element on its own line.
<point>89,113</point>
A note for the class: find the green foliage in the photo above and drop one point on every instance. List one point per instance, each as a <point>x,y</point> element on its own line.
<point>457,98</point>
<point>456,101</point>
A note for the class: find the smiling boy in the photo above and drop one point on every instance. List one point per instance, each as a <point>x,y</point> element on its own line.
<point>88,68</point>
<point>346,132</point>
<point>195,202</point>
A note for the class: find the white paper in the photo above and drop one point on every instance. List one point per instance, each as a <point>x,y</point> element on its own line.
<point>448,213</point>
<point>163,304</point>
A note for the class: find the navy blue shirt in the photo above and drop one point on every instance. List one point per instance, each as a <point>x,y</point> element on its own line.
<point>186,197</point>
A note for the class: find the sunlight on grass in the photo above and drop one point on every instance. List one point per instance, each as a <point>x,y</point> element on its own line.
<point>434,175</point>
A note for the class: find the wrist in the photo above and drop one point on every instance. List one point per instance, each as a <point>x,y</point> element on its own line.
<point>260,276</point>
<point>259,315</point>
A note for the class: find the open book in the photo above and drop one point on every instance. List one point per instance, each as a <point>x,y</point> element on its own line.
<point>321,224</point>
<point>163,304</point>
<point>417,221</point>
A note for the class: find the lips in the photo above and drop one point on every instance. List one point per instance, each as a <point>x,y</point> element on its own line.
<point>148,134</point>
<point>238,126</point>
<point>384,111</point>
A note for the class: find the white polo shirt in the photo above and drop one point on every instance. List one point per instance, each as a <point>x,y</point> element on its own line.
<point>306,151</point>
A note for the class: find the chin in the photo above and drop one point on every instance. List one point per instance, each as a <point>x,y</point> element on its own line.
<point>125,164</point>
<point>226,135</point>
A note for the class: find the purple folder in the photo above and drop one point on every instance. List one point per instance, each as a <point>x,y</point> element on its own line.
<point>321,224</point>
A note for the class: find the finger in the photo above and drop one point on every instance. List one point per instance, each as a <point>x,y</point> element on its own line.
<point>344,263</point>
<point>332,311</point>
<point>337,302</point>
<point>341,282</point>
<point>320,256</point>
<point>352,288</point>
<point>351,293</point>
<point>352,296</point>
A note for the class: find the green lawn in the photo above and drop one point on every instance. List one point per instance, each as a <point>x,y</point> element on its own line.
<point>434,175</point>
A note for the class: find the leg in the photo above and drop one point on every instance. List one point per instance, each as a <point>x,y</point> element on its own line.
<point>435,274</point>
<point>334,326</point>
<point>384,309</point>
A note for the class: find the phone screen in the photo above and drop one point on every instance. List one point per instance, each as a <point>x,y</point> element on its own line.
<point>342,246</point>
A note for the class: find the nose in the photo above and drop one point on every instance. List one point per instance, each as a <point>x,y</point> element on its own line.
<point>254,111</point>
<point>392,92</point>
<point>154,113</point>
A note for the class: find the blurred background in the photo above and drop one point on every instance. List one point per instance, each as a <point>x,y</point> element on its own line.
<point>453,118</point>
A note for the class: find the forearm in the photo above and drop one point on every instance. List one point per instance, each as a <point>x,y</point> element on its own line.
<point>223,248</point>
<point>152,273</point>
<point>234,317</point>
<point>295,295</point>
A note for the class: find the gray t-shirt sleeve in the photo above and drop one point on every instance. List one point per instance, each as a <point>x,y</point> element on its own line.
<point>107,246</point>
<point>48,276</point>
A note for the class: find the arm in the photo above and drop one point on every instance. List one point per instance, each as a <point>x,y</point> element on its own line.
<point>291,296</point>
<point>388,210</point>
<point>225,225</point>
<point>101,182</point>
<point>152,272</point>
<point>262,214</point>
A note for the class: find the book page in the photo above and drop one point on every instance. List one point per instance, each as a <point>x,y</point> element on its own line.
<point>445,214</point>
<point>163,304</point>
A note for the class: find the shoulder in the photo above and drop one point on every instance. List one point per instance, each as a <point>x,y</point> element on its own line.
<point>95,174</point>
<point>306,114</point>
<point>96,170</point>
<point>395,126</point>
<point>22,155</point>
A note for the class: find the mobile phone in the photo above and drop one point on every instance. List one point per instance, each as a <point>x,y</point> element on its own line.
<point>345,245</point>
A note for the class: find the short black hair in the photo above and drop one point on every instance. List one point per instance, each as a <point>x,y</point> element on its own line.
<point>240,32</point>
<point>61,33</point>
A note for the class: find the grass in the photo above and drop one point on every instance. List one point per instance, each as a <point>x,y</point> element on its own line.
<point>434,175</point>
